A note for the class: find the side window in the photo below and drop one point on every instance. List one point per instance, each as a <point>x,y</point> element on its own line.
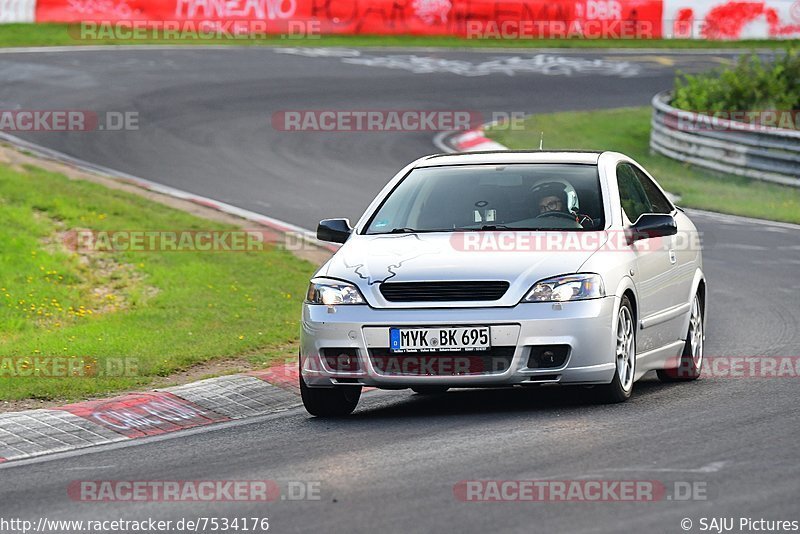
<point>631,194</point>
<point>658,202</point>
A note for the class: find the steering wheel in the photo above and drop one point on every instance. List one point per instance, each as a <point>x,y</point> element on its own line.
<point>560,214</point>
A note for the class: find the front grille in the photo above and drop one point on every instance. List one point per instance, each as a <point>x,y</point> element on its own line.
<point>440,363</point>
<point>443,291</point>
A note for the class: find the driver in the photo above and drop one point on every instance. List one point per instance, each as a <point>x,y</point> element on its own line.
<point>559,197</point>
<point>551,199</point>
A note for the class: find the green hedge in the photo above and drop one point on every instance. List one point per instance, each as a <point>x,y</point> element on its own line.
<point>751,85</point>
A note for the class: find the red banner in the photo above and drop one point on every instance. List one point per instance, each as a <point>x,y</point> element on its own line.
<point>488,19</point>
<point>720,19</point>
<point>467,18</point>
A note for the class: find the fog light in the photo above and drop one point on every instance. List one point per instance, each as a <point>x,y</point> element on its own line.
<point>343,360</point>
<point>548,357</point>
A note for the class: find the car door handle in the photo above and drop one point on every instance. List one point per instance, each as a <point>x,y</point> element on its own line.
<point>673,258</point>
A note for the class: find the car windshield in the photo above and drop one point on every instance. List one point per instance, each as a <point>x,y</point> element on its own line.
<point>493,197</point>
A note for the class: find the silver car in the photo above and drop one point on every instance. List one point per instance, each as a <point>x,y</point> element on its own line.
<point>506,269</point>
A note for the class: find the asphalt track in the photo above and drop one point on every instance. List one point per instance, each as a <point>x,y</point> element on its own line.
<point>205,127</point>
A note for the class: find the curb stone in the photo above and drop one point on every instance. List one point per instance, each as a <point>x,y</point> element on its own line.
<point>474,140</point>
<point>34,433</point>
<point>236,396</point>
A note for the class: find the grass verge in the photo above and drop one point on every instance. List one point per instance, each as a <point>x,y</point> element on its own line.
<point>139,315</point>
<point>26,34</point>
<point>627,130</point>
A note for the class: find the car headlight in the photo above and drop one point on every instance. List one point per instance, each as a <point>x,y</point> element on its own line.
<point>332,292</point>
<point>565,288</point>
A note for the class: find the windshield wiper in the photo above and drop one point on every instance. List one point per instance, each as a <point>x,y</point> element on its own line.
<point>484,228</point>
<point>496,227</point>
<point>415,231</point>
<point>491,228</point>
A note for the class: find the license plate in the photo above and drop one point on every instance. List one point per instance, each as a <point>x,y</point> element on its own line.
<point>472,338</point>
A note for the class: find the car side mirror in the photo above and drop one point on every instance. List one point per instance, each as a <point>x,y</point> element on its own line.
<point>334,230</point>
<point>652,225</point>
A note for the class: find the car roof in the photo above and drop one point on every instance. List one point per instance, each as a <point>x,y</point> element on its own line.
<point>584,157</point>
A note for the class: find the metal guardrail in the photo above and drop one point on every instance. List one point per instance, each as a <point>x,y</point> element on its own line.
<point>768,154</point>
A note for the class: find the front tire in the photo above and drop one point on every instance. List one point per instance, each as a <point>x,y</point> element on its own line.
<point>690,364</point>
<point>337,401</point>
<point>621,386</point>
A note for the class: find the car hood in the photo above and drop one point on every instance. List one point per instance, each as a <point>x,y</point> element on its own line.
<point>519,258</point>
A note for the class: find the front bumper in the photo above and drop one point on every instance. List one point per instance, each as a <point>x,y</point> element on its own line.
<point>585,326</point>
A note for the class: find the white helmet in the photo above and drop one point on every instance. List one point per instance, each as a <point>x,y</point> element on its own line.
<point>561,189</point>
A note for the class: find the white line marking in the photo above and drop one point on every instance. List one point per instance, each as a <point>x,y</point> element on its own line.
<point>737,246</point>
<point>713,467</point>
<point>740,219</point>
<point>438,142</point>
<point>276,224</point>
